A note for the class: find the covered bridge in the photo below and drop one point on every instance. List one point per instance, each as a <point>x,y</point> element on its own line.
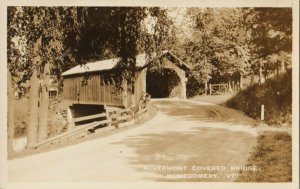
<point>97,84</point>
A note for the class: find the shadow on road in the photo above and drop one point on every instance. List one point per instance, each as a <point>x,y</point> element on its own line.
<point>165,154</point>
<point>199,147</point>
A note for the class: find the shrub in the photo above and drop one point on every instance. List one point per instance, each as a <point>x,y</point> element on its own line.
<point>275,94</point>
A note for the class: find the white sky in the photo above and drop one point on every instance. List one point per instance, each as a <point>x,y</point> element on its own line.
<point>181,20</point>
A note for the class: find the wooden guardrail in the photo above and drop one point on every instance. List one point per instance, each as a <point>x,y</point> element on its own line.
<point>84,118</point>
<point>117,118</point>
<point>78,131</point>
<point>128,116</point>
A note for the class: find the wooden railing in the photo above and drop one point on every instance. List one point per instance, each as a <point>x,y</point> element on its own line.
<point>79,132</point>
<point>218,88</point>
<point>95,116</point>
<point>223,88</point>
<point>113,119</point>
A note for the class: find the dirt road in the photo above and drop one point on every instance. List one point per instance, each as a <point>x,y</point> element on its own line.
<point>185,141</point>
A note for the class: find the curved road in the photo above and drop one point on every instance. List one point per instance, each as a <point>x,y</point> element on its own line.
<point>185,141</point>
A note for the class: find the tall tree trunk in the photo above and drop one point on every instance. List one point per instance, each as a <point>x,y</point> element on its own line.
<point>283,68</point>
<point>10,110</point>
<point>33,110</point>
<point>277,69</point>
<point>32,128</point>
<point>251,79</point>
<point>43,127</point>
<point>260,74</point>
<point>266,76</point>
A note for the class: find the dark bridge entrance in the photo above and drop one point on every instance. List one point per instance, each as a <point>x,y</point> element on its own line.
<point>163,84</point>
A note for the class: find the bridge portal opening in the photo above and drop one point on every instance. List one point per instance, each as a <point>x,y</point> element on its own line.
<point>163,84</point>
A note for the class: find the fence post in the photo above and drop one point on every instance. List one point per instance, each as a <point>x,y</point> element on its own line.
<point>117,114</point>
<point>108,117</point>
<point>262,112</point>
<point>210,89</point>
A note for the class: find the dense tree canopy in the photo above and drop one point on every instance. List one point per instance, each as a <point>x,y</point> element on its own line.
<point>219,42</point>
<point>76,35</point>
<point>225,44</point>
<point>120,32</point>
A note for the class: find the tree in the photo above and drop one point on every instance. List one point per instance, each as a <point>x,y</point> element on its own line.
<point>219,46</point>
<point>273,31</point>
<point>32,128</point>
<point>40,30</point>
<point>119,33</point>
<point>232,43</point>
<point>53,39</point>
<point>43,125</point>
<point>272,36</point>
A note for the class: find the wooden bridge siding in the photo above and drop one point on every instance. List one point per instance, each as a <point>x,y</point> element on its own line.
<point>92,93</point>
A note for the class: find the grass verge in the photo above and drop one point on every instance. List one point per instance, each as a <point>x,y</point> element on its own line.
<point>272,157</point>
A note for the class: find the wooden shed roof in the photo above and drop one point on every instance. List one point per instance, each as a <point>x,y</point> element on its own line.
<point>141,62</point>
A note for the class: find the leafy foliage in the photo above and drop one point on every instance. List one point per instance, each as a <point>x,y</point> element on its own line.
<point>27,25</point>
<point>118,32</point>
<point>221,43</point>
<point>273,31</point>
<point>226,44</point>
<point>76,35</point>
<point>275,94</point>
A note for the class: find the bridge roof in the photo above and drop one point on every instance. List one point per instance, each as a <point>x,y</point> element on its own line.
<point>142,60</point>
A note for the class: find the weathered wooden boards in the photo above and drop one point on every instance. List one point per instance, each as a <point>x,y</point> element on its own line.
<point>92,90</point>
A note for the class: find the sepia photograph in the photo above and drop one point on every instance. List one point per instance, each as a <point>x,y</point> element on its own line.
<point>158,94</point>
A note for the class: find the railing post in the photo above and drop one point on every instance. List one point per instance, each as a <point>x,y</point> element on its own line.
<point>117,114</point>
<point>124,93</point>
<point>108,118</point>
